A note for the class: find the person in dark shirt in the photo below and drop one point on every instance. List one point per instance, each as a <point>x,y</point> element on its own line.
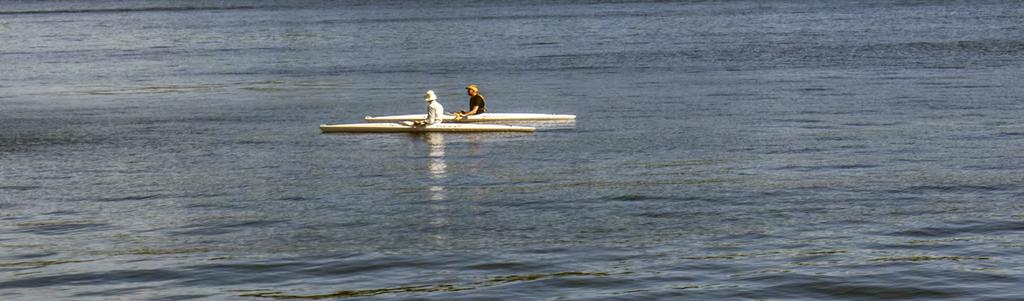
<point>476,103</point>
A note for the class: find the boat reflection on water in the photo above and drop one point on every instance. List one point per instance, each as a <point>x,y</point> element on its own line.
<point>436,166</point>
<point>441,205</point>
<point>438,171</point>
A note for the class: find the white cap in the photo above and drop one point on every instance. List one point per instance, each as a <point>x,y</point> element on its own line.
<point>429,96</point>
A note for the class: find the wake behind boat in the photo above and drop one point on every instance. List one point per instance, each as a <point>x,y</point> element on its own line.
<point>485,117</point>
<point>405,128</point>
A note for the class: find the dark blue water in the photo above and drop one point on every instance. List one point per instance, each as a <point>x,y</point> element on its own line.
<point>784,150</point>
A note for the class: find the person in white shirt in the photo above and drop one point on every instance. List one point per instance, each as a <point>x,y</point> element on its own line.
<point>434,110</point>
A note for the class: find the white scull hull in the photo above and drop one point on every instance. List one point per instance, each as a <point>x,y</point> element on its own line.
<point>485,117</point>
<point>401,128</point>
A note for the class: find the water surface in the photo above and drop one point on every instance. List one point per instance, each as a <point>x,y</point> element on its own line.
<point>169,150</point>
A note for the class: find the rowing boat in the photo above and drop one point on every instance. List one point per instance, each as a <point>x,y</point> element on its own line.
<point>484,117</point>
<point>403,128</point>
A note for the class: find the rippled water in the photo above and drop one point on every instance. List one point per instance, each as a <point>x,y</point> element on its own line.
<point>795,150</point>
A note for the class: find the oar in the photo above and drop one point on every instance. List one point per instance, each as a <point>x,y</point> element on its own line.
<point>458,116</point>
